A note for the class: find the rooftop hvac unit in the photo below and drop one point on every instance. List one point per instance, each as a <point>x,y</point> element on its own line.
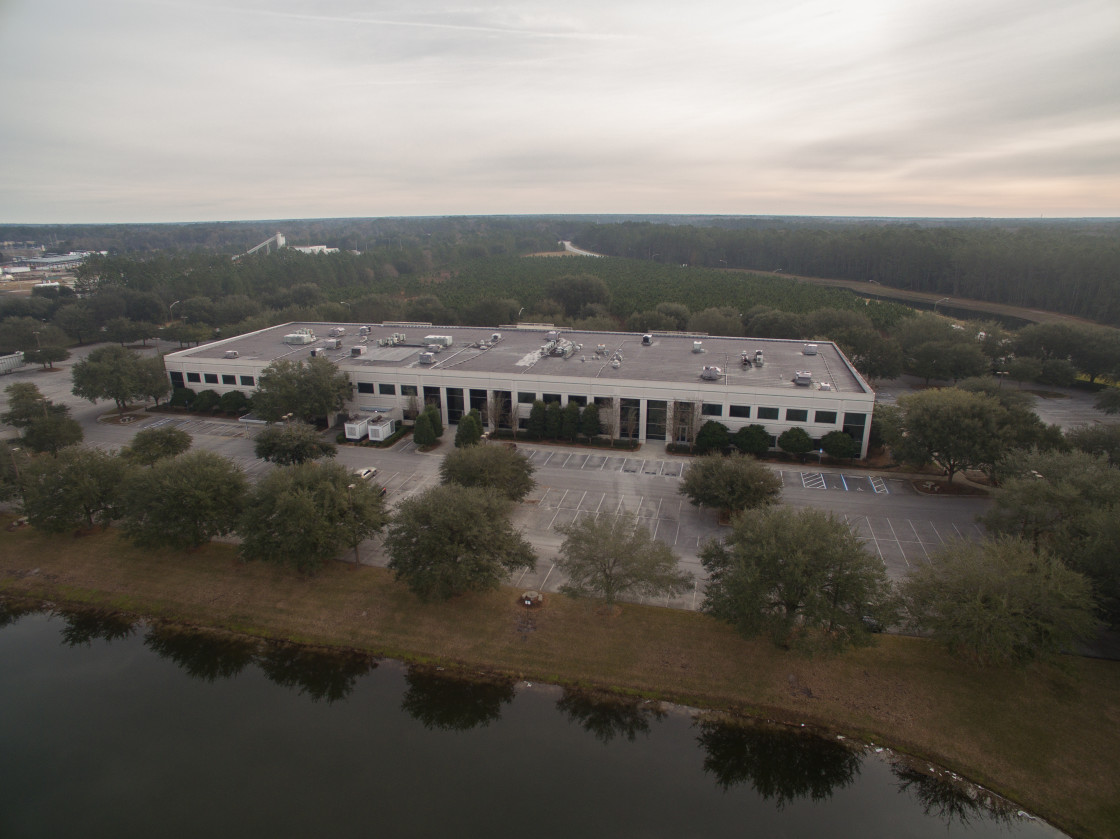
<point>712,374</point>
<point>355,352</point>
<point>825,386</point>
<point>647,340</point>
<point>317,351</point>
<point>300,336</point>
<point>803,378</point>
<point>698,346</point>
<point>497,336</point>
<point>427,358</point>
<point>552,335</point>
<point>616,363</point>
<point>442,340</point>
<point>337,332</point>
<point>810,349</point>
<point>363,330</point>
<point>332,344</point>
<point>745,358</point>
<point>758,360</point>
<point>230,354</point>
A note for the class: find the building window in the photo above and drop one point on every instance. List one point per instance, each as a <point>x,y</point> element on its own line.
<point>767,413</point>
<point>247,381</point>
<point>825,417</point>
<point>387,390</point>
<point>454,405</point>
<point>656,413</point>
<point>227,379</point>
<point>551,397</point>
<point>709,409</point>
<point>478,402</point>
<point>365,387</point>
<point>194,377</point>
<point>524,398</point>
<point>176,378</point>
<point>408,390</point>
<point>739,411</point>
<point>629,416</point>
<point>431,397</point>
<point>853,426</point>
<point>579,400</point>
<point>210,378</point>
<point>797,415</point>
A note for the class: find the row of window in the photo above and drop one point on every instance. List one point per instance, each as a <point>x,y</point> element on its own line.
<point>211,379</point>
<point>708,409</point>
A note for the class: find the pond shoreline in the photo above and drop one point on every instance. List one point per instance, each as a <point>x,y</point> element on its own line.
<point>1015,732</point>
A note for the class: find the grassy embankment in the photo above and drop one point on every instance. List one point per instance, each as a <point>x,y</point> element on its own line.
<point>1046,737</point>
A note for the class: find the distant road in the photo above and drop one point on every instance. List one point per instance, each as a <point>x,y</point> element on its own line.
<point>882,292</point>
<point>570,248</point>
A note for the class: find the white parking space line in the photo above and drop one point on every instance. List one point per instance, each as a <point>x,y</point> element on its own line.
<point>559,507</point>
<point>895,537</point>
<point>878,484</point>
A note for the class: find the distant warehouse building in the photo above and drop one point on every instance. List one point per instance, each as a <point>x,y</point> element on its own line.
<point>647,387</point>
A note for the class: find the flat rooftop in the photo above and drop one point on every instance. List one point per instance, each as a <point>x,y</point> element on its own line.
<point>670,357</point>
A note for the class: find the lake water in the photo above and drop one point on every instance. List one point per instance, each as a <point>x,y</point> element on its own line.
<point>108,729</point>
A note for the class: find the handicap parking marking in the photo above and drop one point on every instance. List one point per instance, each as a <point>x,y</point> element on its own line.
<point>857,483</point>
<point>833,480</point>
<point>878,484</point>
<point>813,480</point>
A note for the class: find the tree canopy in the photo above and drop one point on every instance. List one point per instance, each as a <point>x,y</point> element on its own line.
<point>469,432</point>
<point>735,482</point>
<point>452,539</point>
<point>303,515</point>
<point>309,390</point>
<point>183,502</point>
<point>490,465</point>
<point>1068,505</point>
<point>119,374</point>
<point>152,444</point>
<point>953,428</point>
<point>44,426</point>
<point>999,601</point>
<point>77,489</point>
<point>292,442</point>
<point>801,576</point>
<point>616,556</point>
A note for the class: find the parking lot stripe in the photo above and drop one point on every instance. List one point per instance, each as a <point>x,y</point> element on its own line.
<point>899,541</point>
<point>559,507</point>
<point>843,481</point>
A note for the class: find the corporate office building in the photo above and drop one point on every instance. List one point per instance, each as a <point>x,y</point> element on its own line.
<point>655,387</point>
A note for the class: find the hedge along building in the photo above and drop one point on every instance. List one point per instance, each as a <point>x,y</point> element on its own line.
<point>655,387</point>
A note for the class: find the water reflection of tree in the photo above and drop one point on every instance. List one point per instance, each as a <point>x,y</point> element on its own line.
<point>951,799</point>
<point>607,716</point>
<point>782,765</point>
<point>203,655</point>
<point>450,702</point>
<point>10,612</point>
<point>319,674</point>
<point>84,626</point>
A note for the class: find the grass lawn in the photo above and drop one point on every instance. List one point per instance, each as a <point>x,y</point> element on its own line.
<point>1047,736</point>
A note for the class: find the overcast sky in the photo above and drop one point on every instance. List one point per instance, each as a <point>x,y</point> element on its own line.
<point>183,110</point>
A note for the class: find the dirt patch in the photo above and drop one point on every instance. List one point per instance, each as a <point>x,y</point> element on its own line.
<point>940,486</point>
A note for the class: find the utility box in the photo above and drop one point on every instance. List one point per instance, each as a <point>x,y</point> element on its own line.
<point>804,378</point>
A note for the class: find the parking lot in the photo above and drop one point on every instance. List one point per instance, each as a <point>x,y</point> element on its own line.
<point>894,521</point>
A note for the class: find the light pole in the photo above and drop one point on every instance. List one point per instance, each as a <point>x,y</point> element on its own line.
<point>171,308</point>
<point>939,302</point>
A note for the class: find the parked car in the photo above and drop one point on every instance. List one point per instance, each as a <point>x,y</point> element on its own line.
<point>367,473</point>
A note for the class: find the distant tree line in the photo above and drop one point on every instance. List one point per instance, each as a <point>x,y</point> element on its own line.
<point>1070,266</point>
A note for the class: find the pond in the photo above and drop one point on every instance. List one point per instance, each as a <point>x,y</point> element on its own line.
<point>110,728</point>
